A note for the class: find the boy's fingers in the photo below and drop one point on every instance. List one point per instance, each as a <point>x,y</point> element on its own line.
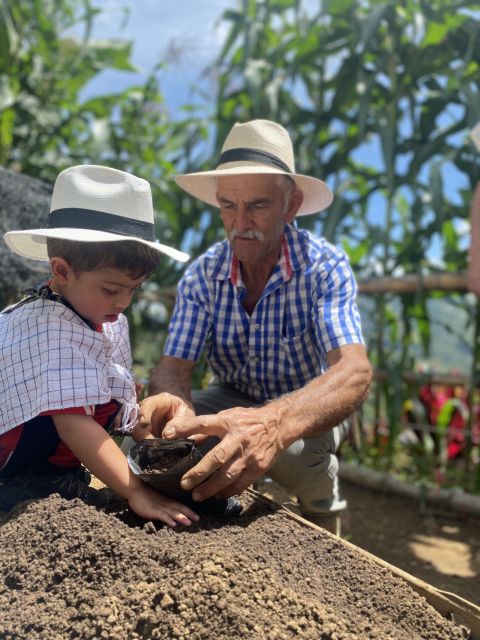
<point>182,519</point>
<point>156,411</point>
<point>160,403</point>
<point>175,509</point>
<point>166,519</point>
<point>172,516</point>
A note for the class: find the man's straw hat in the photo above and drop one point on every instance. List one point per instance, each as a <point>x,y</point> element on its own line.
<point>257,147</point>
<point>94,204</point>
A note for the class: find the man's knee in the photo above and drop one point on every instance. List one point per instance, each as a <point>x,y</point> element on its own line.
<point>305,464</point>
<point>328,442</point>
<point>311,474</point>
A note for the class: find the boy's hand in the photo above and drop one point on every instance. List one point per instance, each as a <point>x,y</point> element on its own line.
<point>99,453</point>
<point>156,411</point>
<point>151,505</point>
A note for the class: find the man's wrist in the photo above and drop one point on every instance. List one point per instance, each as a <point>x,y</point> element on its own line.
<point>290,419</point>
<point>276,415</point>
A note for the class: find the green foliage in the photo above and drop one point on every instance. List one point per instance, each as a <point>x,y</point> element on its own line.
<point>42,73</point>
<point>46,125</point>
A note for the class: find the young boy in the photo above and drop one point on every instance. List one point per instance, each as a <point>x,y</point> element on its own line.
<point>65,379</point>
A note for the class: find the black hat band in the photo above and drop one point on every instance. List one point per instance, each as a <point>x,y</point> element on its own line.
<point>253,155</point>
<point>89,219</point>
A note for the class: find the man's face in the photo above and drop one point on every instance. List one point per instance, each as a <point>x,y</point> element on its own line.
<point>255,210</point>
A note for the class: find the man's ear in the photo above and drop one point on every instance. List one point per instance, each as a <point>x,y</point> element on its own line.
<point>295,200</point>
<point>61,270</point>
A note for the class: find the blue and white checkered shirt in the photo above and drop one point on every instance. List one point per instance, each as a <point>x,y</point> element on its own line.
<point>307,309</point>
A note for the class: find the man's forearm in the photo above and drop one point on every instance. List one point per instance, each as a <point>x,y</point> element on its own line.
<point>324,402</point>
<point>173,376</point>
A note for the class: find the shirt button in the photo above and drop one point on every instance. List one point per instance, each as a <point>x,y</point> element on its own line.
<point>257,326</point>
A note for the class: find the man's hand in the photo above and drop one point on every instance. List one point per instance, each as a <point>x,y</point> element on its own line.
<point>250,444</point>
<point>156,411</point>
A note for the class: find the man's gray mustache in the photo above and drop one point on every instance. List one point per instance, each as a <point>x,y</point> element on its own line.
<point>248,235</point>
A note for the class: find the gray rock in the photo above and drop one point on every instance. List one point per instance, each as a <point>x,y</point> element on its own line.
<point>24,204</point>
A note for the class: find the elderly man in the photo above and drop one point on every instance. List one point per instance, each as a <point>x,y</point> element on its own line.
<point>275,308</point>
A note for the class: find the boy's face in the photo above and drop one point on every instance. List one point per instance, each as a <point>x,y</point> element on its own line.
<point>100,296</point>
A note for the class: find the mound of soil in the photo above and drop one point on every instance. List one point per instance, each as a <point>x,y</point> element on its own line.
<point>71,571</point>
<point>439,546</point>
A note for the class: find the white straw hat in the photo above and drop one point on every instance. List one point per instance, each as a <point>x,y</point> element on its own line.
<point>94,204</point>
<point>257,147</point>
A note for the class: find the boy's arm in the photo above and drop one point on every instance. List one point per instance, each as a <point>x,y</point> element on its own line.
<point>99,453</point>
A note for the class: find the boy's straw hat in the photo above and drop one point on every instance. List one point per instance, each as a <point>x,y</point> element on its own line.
<point>257,147</point>
<point>94,204</point>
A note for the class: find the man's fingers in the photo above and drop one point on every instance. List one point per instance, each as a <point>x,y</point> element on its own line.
<point>221,477</point>
<point>198,438</point>
<point>242,482</point>
<point>222,470</point>
<point>211,462</point>
<point>188,425</point>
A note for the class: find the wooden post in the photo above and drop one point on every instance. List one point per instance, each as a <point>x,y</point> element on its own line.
<point>410,283</point>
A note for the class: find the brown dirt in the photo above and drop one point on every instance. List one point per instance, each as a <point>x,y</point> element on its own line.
<point>71,571</point>
<point>440,547</point>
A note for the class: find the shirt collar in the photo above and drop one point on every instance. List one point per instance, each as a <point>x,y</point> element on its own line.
<point>44,291</point>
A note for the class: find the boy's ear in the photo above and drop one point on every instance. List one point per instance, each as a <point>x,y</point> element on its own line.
<point>61,270</point>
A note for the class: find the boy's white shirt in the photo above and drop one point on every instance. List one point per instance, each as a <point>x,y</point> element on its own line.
<point>51,359</point>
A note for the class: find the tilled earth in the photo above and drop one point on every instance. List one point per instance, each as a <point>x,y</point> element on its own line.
<point>439,546</point>
<point>71,571</point>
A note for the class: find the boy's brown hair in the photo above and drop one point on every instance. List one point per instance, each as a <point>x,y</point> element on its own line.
<point>131,257</point>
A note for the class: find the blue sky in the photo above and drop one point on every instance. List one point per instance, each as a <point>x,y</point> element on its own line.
<point>188,29</point>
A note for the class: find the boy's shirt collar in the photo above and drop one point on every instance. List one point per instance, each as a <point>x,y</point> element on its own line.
<point>58,297</point>
<point>45,292</point>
